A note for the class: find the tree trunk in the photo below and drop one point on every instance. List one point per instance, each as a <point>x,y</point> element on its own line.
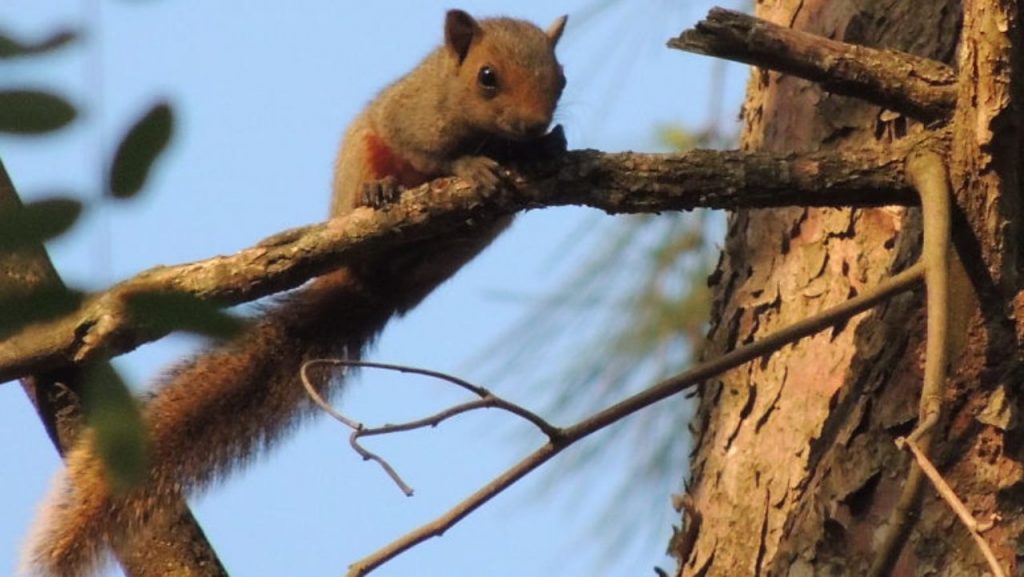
<point>795,471</point>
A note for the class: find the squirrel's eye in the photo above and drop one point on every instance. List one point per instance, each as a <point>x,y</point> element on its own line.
<point>487,78</point>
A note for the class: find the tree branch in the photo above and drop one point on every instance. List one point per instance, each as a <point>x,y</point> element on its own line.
<point>171,541</point>
<point>927,171</point>
<point>918,87</point>
<point>616,183</point>
<point>955,503</point>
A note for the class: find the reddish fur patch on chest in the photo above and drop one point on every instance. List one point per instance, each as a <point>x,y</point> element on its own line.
<point>384,162</point>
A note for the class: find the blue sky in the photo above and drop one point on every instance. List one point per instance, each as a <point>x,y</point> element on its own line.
<point>263,92</point>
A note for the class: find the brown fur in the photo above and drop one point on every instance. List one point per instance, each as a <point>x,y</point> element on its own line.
<point>217,411</point>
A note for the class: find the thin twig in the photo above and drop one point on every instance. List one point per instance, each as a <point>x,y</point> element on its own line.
<point>897,284</point>
<point>355,425</point>
<point>488,400</point>
<point>927,172</point>
<point>494,401</point>
<point>368,455</point>
<point>317,399</point>
<point>954,502</point>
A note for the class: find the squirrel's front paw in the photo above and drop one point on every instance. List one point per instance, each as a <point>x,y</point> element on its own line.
<point>381,193</point>
<point>480,171</point>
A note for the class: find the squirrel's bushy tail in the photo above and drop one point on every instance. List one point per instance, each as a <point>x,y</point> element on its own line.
<point>219,410</point>
<point>211,415</point>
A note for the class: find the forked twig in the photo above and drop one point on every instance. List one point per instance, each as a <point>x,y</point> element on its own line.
<point>954,502</point>
<point>488,400</point>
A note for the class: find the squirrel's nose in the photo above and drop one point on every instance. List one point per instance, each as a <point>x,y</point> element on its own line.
<point>535,129</point>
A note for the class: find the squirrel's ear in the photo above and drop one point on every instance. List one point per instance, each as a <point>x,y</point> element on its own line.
<point>554,31</point>
<point>459,31</point>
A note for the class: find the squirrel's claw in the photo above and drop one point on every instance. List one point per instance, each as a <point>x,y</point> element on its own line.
<point>381,193</point>
<point>479,171</point>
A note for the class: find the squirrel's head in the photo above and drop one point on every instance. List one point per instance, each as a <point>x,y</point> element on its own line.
<point>508,78</point>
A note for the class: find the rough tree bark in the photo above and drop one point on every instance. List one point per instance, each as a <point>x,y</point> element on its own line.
<point>795,471</point>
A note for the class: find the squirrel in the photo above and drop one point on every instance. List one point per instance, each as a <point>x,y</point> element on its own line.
<point>493,82</point>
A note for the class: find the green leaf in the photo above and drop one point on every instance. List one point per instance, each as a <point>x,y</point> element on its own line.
<point>117,424</point>
<point>44,304</point>
<point>139,150</point>
<point>37,222</point>
<point>167,312</point>
<point>12,48</point>
<point>33,112</point>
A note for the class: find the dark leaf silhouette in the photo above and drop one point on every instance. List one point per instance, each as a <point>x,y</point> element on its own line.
<point>166,312</point>
<point>18,310</point>
<point>12,48</point>
<point>37,222</point>
<point>139,150</point>
<point>33,112</point>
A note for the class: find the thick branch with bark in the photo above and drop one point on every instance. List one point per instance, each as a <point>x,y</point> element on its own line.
<point>919,87</point>
<point>615,183</point>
